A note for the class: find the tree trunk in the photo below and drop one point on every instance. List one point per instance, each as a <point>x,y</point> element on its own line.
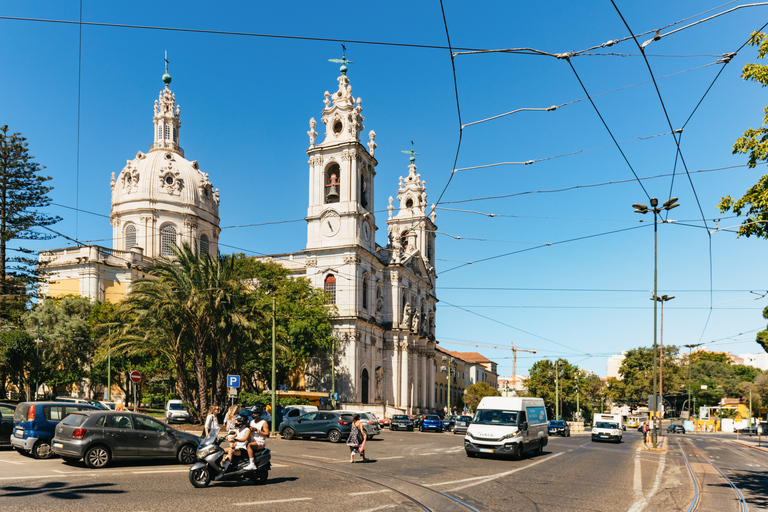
<point>202,378</point>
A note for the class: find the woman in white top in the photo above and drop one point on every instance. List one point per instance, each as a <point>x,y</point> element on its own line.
<point>259,433</point>
<point>211,421</point>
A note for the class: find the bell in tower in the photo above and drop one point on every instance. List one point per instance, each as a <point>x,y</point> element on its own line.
<point>332,196</point>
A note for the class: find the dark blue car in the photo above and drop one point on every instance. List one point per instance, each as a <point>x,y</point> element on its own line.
<point>34,424</point>
<point>431,422</point>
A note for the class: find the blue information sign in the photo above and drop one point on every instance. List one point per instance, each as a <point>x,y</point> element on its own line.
<point>233,381</point>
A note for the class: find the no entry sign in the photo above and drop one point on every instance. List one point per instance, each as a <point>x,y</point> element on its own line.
<point>135,376</point>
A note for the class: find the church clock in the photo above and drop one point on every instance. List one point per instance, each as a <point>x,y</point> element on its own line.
<point>330,224</point>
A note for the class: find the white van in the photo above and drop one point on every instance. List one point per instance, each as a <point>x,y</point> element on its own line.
<point>606,427</point>
<point>507,426</point>
<point>294,411</point>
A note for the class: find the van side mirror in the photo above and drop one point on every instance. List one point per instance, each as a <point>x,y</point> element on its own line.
<point>524,425</point>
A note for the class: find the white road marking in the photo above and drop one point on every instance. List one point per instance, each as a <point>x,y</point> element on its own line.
<point>322,458</point>
<point>268,502</point>
<point>279,465</point>
<point>368,492</point>
<point>642,501</point>
<point>477,480</point>
<point>143,472</point>
<point>45,476</point>
<point>378,508</point>
<point>387,458</point>
<point>11,462</point>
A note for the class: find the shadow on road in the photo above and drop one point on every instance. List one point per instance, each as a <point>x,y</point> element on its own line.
<point>60,490</point>
<point>752,484</point>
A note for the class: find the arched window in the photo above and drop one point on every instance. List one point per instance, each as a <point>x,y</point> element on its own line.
<point>204,244</point>
<point>330,289</point>
<point>159,131</point>
<point>363,191</point>
<point>364,387</point>
<point>167,132</point>
<point>130,236</point>
<point>175,135</point>
<point>332,183</point>
<point>365,291</point>
<point>436,400</point>
<point>167,239</point>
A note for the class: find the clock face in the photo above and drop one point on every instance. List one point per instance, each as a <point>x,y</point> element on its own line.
<point>330,224</point>
<point>366,231</point>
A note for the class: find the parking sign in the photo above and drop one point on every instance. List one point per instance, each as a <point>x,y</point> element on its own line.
<point>233,381</point>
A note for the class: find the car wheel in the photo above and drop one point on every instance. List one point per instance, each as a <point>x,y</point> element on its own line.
<point>334,436</point>
<point>42,450</point>
<point>70,460</point>
<point>187,454</point>
<point>200,477</point>
<point>515,452</point>
<point>470,454</point>
<point>440,430</point>
<point>260,477</point>
<point>288,433</point>
<point>539,449</point>
<point>96,457</point>
<point>569,433</point>
<point>421,429</point>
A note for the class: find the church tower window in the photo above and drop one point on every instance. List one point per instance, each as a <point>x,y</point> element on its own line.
<point>167,240</point>
<point>330,289</point>
<point>167,132</point>
<point>130,236</point>
<point>363,191</point>
<point>332,184</point>
<point>365,291</point>
<point>175,135</point>
<point>204,244</point>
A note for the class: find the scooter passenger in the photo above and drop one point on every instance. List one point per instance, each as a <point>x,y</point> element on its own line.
<point>241,438</point>
<point>259,432</point>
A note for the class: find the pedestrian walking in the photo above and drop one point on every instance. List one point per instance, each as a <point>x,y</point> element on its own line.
<point>211,421</point>
<point>231,418</point>
<point>356,439</point>
<point>646,429</point>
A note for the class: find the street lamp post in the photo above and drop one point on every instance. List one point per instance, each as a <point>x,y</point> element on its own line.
<point>38,341</point>
<point>662,299</point>
<point>450,367</point>
<point>641,208</point>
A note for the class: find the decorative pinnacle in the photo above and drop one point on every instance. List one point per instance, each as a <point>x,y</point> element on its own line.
<point>166,76</point>
<point>411,152</point>
<point>343,60</point>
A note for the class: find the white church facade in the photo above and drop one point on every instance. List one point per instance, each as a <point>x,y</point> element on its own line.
<point>385,296</point>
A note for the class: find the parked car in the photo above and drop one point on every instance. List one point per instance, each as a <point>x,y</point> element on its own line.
<point>431,422</point>
<point>676,429</point>
<point>77,400</point>
<point>448,422</point>
<point>401,422</point>
<point>6,423</point>
<point>417,420</point>
<point>99,437</point>
<point>558,428</point>
<point>108,405</point>
<point>370,423</point>
<point>34,424</point>
<point>175,412</point>
<point>333,425</point>
<point>462,424</point>
<point>385,422</point>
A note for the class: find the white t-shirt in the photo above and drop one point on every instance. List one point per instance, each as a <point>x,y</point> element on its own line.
<point>241,435</point>
<point>211,422</point>
<point>255,435</point>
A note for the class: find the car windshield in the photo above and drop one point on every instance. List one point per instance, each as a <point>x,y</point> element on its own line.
<point>175,407</point>
<point>431,418</point>
<point>98,405</point>
<point>605,424</point>
<point>496,417</point>
<point>400,417</point>
<point>211,437</point>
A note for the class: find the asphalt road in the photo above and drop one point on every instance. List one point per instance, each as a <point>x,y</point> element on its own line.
<point>417,471</point>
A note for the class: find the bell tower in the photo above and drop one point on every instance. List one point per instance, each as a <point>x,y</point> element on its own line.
<point>412,229</point>
<point>341,172</point>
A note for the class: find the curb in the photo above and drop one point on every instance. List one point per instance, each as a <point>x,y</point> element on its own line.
<point>758,448</point>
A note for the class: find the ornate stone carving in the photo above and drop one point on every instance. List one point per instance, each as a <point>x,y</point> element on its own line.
<point>352,259</point>
<point>390,208</point>
<point>405,321</point>
<point>312,133</point>
<point>311,261</point>
<point>415,322</point>
<point>372,145</point>
<point>347,156</point>
<point>379,297</point>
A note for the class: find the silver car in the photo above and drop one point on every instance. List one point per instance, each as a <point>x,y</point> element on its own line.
<point>370,422</point>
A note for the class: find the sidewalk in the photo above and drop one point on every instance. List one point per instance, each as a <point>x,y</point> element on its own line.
<point>751,442</point>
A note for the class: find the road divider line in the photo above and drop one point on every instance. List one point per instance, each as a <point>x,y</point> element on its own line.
<point>270,501</point>
<point>378,508</point>
<point>11,462</point>
<point>369,492</point>
<point>487,478</point>
<point>145,472</point>
<point>45,476</point>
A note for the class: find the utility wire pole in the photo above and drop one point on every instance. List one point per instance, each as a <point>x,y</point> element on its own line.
<point>514,362</point>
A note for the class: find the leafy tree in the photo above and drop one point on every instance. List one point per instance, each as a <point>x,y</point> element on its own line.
<point>22,191</point>
<point>67,347</point>
<point>637,375</point>
<point>477,391</point>
<point>762,336</point>
<point>746,373</point>
<point>754,143</point>
<point>541,384</point>
<point>17,359</point>
<point>705,355</point>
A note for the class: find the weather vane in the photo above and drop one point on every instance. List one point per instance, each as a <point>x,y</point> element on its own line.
<point>343,60</point>
<point>411,152</point>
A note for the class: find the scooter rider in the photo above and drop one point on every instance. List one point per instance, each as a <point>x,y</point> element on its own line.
<point>241,438</point>
<point>259,432</point>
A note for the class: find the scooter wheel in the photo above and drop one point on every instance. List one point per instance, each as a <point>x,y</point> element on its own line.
<point>200,477</point>
<point>260,477</point>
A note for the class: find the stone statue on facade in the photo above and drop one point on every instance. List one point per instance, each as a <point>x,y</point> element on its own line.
<point>406,316</point>
<point>415,322</point>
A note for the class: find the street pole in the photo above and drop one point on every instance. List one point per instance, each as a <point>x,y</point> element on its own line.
<point>557,391</point>
<point>690,348</point>
<point>38,341</point>
<point>109,367</point>
<point>333,373</point>
<point>450,367</point>
<point>662,299</point>
<point>578,409</point>
<point>641,208</point>
<point>274,392</point>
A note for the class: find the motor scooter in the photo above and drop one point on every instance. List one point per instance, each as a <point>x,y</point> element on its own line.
<point>209,466</point>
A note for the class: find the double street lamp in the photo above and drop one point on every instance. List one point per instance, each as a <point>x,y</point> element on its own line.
<point>641,208</point>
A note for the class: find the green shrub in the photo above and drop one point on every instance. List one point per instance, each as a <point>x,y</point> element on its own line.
<point>249,399</point>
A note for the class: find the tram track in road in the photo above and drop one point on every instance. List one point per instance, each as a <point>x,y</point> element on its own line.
<point>429,500</point>
<point>703,483</point>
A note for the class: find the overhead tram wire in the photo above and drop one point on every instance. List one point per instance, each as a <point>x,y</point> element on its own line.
<point>512,327</point>
<point>79,82</point>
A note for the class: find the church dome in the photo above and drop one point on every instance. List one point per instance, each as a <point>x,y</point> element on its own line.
<point>160,196</point>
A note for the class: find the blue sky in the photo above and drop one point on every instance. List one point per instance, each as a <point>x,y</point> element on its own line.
<point>247,99</point>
